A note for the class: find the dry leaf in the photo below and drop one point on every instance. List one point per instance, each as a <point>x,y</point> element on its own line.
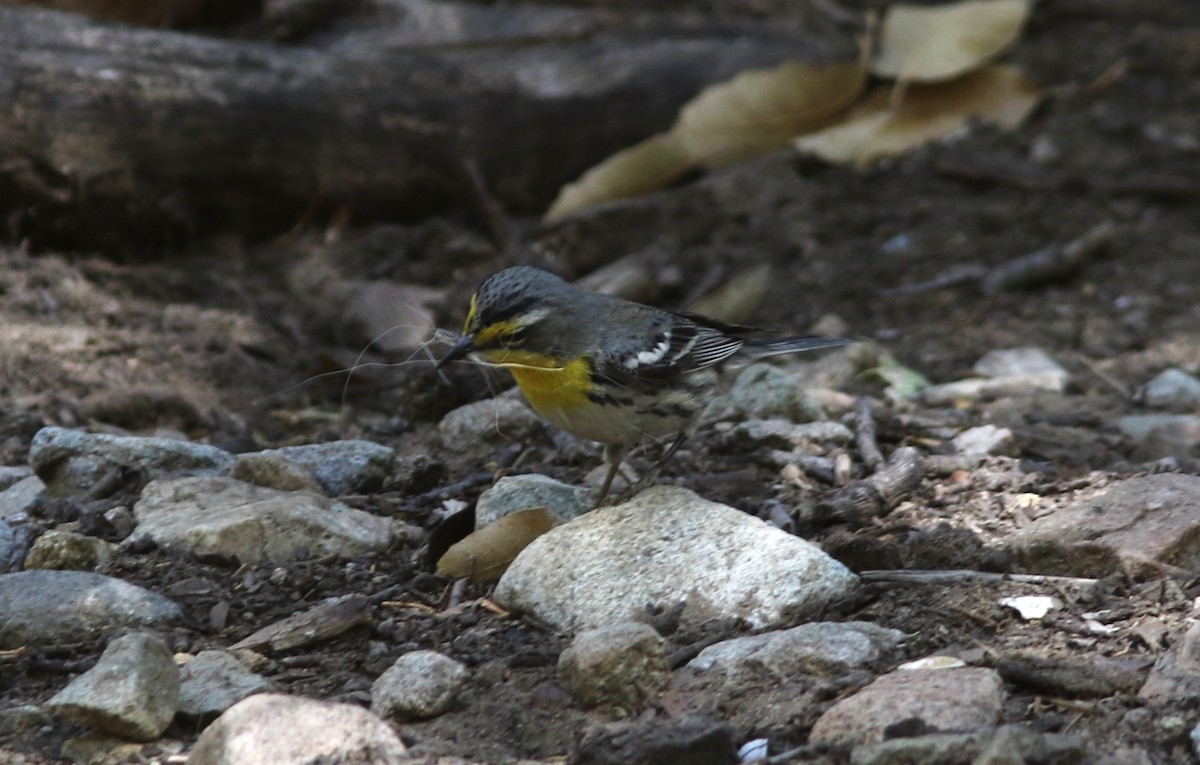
<point>484,555</point>
<point>738,298</point>
<point>923,44</point>
<point>1001,95</point>
<point>760,111</point>
<point>649,165</point>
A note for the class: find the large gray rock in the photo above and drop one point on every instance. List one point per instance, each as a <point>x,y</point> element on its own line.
<point>132,691</point>
<point>1140,525</point>
<point>51,607</point>
<point>483,424</point>
<point>71,462</point>
<point>949,700</point>
<point>665,546</point>
<point>341,467</point>
<point>225,518</point>
<point>275,729</point>
<point>20,496</point>
<point>815,648</point>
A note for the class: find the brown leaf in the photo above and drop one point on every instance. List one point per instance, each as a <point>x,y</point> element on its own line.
<point>485,554</point>
<point>1001,95</point>
<point>760,111</point>
<point>738,298</point>
<point>642,168</point>
<point>924,44</point>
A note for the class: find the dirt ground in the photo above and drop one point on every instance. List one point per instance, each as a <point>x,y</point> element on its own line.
<point>223,342</point>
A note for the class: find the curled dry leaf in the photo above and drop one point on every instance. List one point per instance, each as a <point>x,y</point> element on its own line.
<point>642,168</point>
<point>760,111</point>
<point>923,44</point>
<point>484,555</point>
<point>756,112</point>
<point>1000,95</point>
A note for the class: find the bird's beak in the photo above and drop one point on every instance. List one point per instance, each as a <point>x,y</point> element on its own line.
<point>465,345</point>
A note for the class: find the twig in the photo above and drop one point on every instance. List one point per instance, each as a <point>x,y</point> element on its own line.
<point>874,496</point>
<point>953,576</point>
<point>864,437</point>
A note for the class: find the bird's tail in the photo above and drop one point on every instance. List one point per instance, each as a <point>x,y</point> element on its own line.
<point>777,347</point>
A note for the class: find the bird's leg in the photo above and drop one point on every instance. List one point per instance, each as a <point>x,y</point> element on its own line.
<point>613,454</point>
<point>670,452</point>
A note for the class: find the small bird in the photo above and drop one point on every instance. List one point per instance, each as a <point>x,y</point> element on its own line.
<point>603,368</point>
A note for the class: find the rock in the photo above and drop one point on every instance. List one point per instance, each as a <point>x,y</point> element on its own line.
<point>1022,362</point>
<point>785,434</point>
<point>664,546</point>
<point>232,520</point>
<point>1171,387</point>
<point>21,721</point>
<point>274,472</point>
<point>487,423</point>
<point>418,685</point>
<point>393,317</point>
<point>71,461</point>
<point>11,475</point>
<point>819,648</point>
<point>1015,744</point>
<point>67,550</point>
<point>764,391</point>
<point>93,748</point>
<point>341,467</point>
<point>133,690</point>
<point>1176,672</point>
<point>16,537</point>
<point>948,700</point>
<point>521,492</point>
<point>275,729</point>
<point>619,670</point>
<point>984,440</point>
<point>1140,524</point>
<point>1162,435</point>
<point>685,740</point>
<point>213,681</point>
<point>19,496</point>
<point>53,607</point>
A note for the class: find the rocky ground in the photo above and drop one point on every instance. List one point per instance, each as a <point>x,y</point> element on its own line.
<point>998,487</point>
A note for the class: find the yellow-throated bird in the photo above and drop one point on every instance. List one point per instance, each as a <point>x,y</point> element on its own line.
<point>603,368</point>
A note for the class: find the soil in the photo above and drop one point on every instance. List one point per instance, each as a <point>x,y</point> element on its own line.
<point>233,344</point>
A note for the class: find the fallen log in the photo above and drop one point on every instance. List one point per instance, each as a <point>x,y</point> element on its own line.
<point>114,136</point>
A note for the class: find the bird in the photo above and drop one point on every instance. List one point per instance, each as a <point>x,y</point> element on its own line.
<point>603,368</point>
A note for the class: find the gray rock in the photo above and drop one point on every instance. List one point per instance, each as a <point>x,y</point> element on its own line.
<point>1140,525</point>
<point>16,537</point>
<point>71,461</point>
<point>984,440</point>
<point>816,648</point>
<point>521,492</point>
<point>1171,387</point>
<point>18,497</point>
<point>487,423</point>
<point>1005,745</point>
<point>665,546</point>
<point>764,391</point>
<point>341,467</point>
<point>1022,362</point>
<point>11,474</point>
<point>948,700</point>
<point>132,691</point>
<point>233,520</point>
<point>419,685</point>
<point>275,729</point>
<point>213,681</point>
<point>1162,435</point>
<point>51,607</point>
<point>67,550</point>
<point>785,433</point>
<point>22,721</point>
<point>1176,672</point>
<point>619,670</point>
